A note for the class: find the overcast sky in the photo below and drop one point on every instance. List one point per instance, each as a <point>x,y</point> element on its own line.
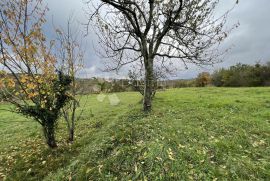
<point>249,43</point>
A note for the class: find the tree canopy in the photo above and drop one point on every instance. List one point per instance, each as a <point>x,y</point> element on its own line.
<point>153,32</point>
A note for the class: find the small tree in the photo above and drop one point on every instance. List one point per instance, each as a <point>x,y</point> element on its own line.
<point>136,76</point>
<point>217,77</point>
<point>149,31</point>
<point>71,55</point>
<point>136,81</point>
<point>31,81</point>
<point>203,79</point>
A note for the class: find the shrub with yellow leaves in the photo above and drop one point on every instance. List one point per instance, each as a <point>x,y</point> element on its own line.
<point>31,80</point>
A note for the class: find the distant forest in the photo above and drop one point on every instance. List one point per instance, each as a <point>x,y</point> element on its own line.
<point>239,75</point>
<point>242,75</point>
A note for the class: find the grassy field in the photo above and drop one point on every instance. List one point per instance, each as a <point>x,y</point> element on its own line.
<point>192,134</point>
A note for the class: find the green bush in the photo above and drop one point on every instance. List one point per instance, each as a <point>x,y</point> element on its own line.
<point>242,75</point>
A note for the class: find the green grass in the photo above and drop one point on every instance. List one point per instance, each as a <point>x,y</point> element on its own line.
<point>192,134</point>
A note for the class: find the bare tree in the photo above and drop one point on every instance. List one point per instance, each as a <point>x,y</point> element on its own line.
<point>136,77</point>
<point>71,55</point>
<point>150,30</point>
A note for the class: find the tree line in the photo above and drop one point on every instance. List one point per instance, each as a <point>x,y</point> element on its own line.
<point>239,75</point>
<point>242,75</point>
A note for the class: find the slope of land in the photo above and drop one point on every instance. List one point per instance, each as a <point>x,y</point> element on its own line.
<point>192,134</point>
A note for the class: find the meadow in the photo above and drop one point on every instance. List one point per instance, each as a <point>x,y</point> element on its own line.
<point>191,134</point>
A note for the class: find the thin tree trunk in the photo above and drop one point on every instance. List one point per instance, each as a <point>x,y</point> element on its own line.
<point>148,86</point>
<point>71,135</point>
<point>74,106</point>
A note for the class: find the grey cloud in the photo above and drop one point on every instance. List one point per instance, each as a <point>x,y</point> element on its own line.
<point>249,43</point>
<point>250,40</point>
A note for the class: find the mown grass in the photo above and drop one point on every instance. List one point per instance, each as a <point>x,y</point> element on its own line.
<point>192,134</point>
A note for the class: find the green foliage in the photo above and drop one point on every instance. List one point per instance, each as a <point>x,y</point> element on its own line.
<point>242,75</point>
<point>48,115</point>
<point>53,106</point>
<point>192,134</point>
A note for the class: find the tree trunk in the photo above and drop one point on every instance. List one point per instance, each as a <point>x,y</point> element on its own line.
<point>148,86</point>
<point>74,106</point>
<point>71,135</point>
<point>49,135</point>
<point>51,142</point>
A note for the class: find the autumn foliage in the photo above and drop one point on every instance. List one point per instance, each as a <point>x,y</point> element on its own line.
<point>30,79</point>
<point>203,79</point>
